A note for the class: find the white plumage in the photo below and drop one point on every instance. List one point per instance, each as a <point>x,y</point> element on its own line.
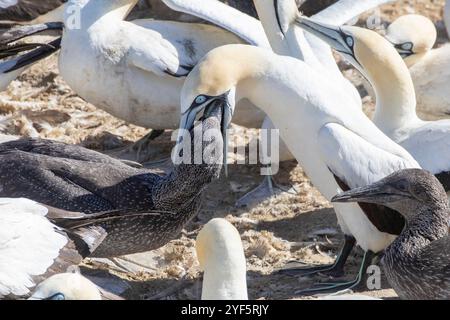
<point>29,244</point>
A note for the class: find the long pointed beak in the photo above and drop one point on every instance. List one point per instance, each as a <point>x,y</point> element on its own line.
<point>332,35</point>
<point>369,194</point>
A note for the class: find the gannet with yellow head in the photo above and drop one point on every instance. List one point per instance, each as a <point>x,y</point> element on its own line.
<point>395,114</point>
<point>221,257</point>
<point>414,37</point>
<point>335,143</point>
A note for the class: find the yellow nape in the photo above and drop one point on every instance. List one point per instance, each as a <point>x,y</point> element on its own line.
<point>222,68</point>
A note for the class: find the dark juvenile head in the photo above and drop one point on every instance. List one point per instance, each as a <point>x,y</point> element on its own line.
<point>404,191</point>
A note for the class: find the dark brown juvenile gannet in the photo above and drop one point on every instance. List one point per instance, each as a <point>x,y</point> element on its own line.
<point>77,179</point>
<point>417,263</point>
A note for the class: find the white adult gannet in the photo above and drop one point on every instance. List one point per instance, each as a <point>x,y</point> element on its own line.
<point>286,38</point>
<point>134,70</point>
<point>66,286</point>
<point>335,143</point>
<point>395,112</point>
<point>221,257</point>
<point>414,36</point>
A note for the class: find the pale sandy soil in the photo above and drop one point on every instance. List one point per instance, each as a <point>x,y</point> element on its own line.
<point>287,227</point>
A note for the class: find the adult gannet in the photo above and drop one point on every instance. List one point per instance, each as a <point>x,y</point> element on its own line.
<point>34,248</point>
<point>221,257</point>
<point>137,210</point>
<point>414,36</point>
<point>336,144</point>
<point>417,263</point>
<point>286,38</point>
<point>395,111</point>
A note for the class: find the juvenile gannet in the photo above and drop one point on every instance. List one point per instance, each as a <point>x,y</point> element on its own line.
<point>34,248</point>
<point>336,144</point>
<point>221,257</point>
<point>414,36</point>
<point>137,210</point>
<point>417,263</point>
<point>395,111</point>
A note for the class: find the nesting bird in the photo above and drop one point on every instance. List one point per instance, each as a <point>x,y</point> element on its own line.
<point>334,142</point>
<point>135,209</point>
<point>417,263</point>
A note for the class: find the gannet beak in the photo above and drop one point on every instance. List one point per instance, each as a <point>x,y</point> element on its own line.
<point>377,193</point>
<point>332,35</point>
<point>226,103</point>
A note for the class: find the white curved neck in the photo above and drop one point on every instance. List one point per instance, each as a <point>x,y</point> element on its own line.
<point>225,280</point>
<point>395,97</point>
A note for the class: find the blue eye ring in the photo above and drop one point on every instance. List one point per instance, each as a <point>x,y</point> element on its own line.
<point>350,42</point>
<point>407,46</point>
<point>200,99</point>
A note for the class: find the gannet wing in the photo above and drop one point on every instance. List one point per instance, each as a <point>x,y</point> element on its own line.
<point>430,146</point>
<point>246,27</point>
<point>355,162</point>
<point>29,245</point>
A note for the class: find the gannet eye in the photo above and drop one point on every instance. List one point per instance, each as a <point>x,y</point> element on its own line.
<point>407,46</point>
<point>200,99</point>
<point>57,296</point>
<point>349,41</point>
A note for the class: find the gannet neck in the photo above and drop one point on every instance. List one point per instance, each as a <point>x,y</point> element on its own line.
<point>389,76</point>
<point>94,10</point>
<point>221,256</point>
<point>285,37</point>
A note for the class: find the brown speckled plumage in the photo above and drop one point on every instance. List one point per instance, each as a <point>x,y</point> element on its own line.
<point>77,179</point>
<point>417,263</point>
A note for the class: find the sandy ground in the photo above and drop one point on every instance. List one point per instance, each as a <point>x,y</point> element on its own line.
<point>290,226</point>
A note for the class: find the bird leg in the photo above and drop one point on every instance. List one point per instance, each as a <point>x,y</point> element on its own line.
<point>268,188</point>
<point>336,269</point>
<point>325,287</point>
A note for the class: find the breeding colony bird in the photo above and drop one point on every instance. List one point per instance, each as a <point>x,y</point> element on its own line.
<point>221,257</point>
<point>395,114</point>
<point>286,38</point>
<point>137,210</point>
<point>335,143</point>
<point>414,36</point>
<point>33,248</point>
<point>31,11</point>
<point>135,70</point>
<point>417,263</point>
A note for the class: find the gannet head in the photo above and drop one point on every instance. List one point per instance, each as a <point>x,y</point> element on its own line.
<point>404,191</point>
<point>221,257</point>
<point>66,286</point>
<point>367,51</point>
<point>212,84</point>
<point>413,36</point>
